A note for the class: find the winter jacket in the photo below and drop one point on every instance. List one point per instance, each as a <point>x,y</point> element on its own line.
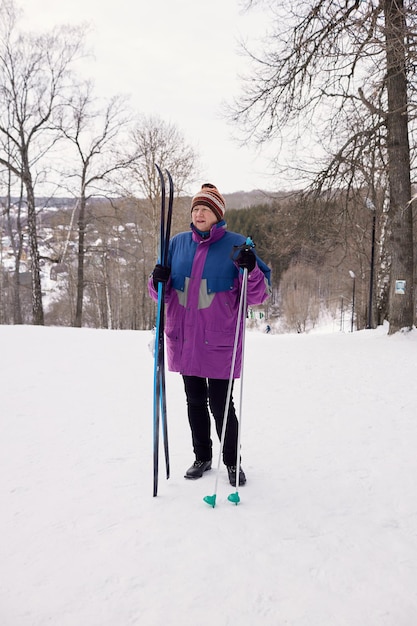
<point>202,301</point>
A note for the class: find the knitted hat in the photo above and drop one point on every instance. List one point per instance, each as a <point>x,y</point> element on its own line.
<point>210,197</point>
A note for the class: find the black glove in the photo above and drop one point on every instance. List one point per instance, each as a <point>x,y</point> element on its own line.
<point>246,258</point>
<point>160,274</point>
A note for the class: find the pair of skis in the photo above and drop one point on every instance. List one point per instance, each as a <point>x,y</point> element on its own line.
<point>159,400</point>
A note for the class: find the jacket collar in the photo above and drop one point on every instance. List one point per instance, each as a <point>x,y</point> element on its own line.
<point>216,232</point>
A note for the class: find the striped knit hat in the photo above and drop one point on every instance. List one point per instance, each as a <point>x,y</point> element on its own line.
<point>210,197</point>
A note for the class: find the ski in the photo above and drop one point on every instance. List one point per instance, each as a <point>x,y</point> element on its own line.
<point>159,400</point>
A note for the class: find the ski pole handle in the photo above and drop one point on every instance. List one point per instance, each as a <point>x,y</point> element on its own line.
<point>248,245</point>
<point>244,256</point>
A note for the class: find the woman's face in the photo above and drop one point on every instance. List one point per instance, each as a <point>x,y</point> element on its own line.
<point>203,218</point>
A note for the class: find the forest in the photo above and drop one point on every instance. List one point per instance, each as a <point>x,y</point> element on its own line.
<point>80,194</point>
<point>310,254</point>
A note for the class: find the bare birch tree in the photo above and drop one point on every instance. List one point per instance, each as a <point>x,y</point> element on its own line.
<point>34,77</point>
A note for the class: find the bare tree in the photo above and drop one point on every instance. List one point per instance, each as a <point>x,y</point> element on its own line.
<point>162,143</point>
<point>300,298</point>
<point>326,60</point>
<point>96,134</point>
<point>34,73</point>
<point>12,214</point>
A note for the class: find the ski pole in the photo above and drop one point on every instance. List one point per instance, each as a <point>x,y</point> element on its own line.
<point>234,497</point>
<point>211,500</point>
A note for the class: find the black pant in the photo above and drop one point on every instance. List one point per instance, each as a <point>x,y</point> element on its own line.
<point>198,392</point>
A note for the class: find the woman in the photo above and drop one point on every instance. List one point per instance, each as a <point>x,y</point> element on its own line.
<point>203,284</point>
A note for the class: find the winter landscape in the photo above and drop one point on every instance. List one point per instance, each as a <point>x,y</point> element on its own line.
<point>326,530</point>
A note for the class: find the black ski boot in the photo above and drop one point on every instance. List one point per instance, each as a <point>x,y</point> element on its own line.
<point>197,469</point>
<point>231,470</point>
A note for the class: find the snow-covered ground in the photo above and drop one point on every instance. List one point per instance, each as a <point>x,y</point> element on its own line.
<point>326,530</point>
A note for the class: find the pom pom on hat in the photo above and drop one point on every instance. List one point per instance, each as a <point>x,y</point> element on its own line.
<point>210,197</point>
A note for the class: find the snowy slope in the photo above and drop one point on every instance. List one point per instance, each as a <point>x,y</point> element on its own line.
<point>326,531</point>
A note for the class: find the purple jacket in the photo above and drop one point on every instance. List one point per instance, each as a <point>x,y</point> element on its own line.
<point>202,301</point>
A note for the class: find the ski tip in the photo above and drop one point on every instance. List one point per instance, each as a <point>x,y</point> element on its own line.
<point>211,500</point>
<point>234,498</point>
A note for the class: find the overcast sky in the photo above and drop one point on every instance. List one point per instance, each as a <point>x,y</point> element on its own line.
<point>178,59</point>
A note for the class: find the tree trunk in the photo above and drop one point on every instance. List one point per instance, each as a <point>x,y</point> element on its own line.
<point>80,269</point>
<point>37,307</point>
<point>16,241</point>
<point>401,300</point>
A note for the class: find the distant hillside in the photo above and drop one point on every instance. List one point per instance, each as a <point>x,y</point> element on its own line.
<point>235,200</point>
<point>244,199</point>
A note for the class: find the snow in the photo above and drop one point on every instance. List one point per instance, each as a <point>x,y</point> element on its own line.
<point>326,530</point>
